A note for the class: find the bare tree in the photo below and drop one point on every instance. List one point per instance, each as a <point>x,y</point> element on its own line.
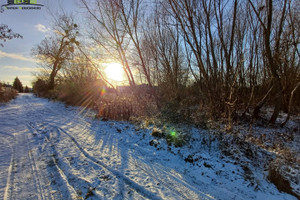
<point>237,53</point>
<point>264,14</point>
<point>164,44</point>
<point>133,19</point>
<point>55,50</point>
<point>7,34</point>
<point>108,33</point>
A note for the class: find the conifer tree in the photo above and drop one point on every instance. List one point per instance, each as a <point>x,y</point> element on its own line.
<point>18,85</point>
<point>26,90</point>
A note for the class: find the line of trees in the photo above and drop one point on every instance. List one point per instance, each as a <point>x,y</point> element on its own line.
<point>18,86</point>
<point>227,56</point>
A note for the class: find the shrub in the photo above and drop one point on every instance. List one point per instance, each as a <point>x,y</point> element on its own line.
<point>177,138</point>
<point>116,108</point>
<point>125,106</point>
<point>40,87</point>
<point>80,93</point>
<point>6,93</point>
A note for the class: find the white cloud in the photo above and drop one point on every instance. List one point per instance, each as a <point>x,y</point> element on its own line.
<point>17,57</point>
<point>17,68</point>
<point>42,28</point>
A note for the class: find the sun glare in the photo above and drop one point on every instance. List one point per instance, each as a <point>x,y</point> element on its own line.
<point>114,72</point>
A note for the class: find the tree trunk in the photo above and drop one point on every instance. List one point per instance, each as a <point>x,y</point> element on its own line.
<point>290,105</point>
<point>51,83</point>
<point>260,104</point>
<point>52,76</point>
<point>278,101</point>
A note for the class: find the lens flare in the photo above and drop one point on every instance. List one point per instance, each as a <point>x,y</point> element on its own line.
<point>103,92</point>
<point>173,133</point>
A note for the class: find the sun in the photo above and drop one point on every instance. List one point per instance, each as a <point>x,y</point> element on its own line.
<point>114,72</point>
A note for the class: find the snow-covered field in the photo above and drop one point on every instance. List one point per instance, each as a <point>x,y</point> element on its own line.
<point>50,151</point>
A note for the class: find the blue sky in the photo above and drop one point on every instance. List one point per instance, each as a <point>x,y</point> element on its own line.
<point>33,25</point>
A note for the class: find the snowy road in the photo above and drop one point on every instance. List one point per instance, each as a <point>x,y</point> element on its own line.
<point>49,151</point>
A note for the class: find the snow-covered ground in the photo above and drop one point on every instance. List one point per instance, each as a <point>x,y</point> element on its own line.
<point>50,151</point>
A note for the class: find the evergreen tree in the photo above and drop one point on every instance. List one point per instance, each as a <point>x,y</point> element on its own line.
<point>26,90</point>
<point>18,85</point>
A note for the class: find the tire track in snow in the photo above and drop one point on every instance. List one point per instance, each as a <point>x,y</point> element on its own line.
<point>25,179</point>
<point>9,176</point>
<point>179,187</point>
<point>38,175</point>
<point>59,165</point>
<point>168,180</point>
<point>35,172</point>
<point>72,183</point>
<point>182,189</point>
<point>51,154</point>
<point>84,124</point>
<point>185,191</point>
<point>60,170</point>
<point>70,188</point>
<point>127,180</point>
<point>24,160</point>
<point>23,173</point>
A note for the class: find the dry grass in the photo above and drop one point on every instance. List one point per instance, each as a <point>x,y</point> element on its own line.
<point>6,94</point>
<point>125,106</point>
